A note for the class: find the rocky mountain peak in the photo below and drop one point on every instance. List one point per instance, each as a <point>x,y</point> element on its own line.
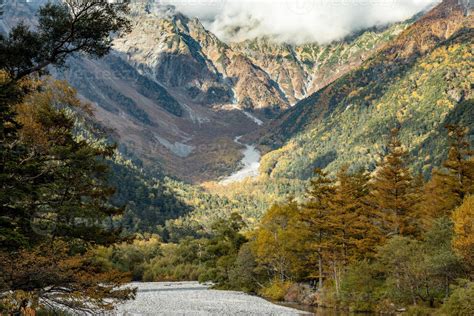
<point>467,5</point>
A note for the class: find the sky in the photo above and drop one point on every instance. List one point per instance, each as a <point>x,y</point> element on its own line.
<point>297,21</point>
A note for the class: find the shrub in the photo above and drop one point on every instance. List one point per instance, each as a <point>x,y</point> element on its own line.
<point>360,289</point>
<point>418,311</point>
<point>461,302</point>
<point>276,290</point>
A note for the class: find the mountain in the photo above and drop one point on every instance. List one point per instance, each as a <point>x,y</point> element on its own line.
<point>301,70</point>
<point>420,81</point>
<point>181,54</point>
<point>175,96</point>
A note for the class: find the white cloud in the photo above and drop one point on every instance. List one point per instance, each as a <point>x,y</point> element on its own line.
<point>297,21</point>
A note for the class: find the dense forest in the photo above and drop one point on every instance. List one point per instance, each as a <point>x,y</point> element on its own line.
<point>385,241</point>
<point>79,220</point>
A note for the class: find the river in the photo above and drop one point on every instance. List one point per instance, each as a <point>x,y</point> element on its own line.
<point>194,299</point>
<point>250,164</point>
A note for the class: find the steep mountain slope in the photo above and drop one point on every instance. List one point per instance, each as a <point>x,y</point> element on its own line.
<point>180,53</point>
<point>419,82</point>
<point>301,70</point>
<point>175,97</point>
<point>174,93</point>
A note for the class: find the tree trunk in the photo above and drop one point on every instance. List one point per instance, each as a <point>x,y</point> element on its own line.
<point>320,268</point>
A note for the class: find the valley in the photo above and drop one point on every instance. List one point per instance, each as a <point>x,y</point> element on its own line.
<point>162,158</point>
<point>250,164</point>
<point>174,96</point>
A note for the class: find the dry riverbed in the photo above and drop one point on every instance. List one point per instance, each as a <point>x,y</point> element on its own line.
<point>192,298</point>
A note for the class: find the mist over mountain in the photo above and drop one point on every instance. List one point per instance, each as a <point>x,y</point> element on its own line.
<point>299,21</point>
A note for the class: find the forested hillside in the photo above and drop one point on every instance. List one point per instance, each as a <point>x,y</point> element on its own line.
<point>419,82</point>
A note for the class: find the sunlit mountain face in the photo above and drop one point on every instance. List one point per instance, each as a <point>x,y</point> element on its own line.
<point>192,76</point>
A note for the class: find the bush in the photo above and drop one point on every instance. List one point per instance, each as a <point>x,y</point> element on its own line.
<point>276,290</point>
<point>360,289</point>
<point>419,311</point>
<point>461,302</point>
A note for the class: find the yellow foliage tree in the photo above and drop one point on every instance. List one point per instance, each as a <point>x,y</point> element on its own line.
<point>276,241</point>
<point>463,243</point>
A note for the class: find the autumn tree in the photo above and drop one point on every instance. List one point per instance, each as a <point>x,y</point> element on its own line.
<point>276,242</point>
<point>314,221</point>
<point>463,242</point>
<point>354,225</point>
<point>54,195</point>
<point>392,191</point>
<point>54,276</point>
<point>455,180</point>
<point>55,203</point>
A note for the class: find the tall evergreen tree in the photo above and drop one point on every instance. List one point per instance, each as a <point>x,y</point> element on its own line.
<point>354,224</point>
<point>54,198</point>
<point>314,217</point>
<point>392,191</point>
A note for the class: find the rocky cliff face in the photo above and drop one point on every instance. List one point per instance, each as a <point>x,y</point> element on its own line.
<point>180,53</point>
<point>301,70</point>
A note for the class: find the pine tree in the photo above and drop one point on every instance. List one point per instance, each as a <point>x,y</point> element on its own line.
<point>353,233</point>
<point>392,191</point>
<point>54,196</point>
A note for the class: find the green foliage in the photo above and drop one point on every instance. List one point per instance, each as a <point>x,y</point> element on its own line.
<point>133,257</point>
<point>246,273</point>
<point>421,271</point>
<point>148,200</point>
<point>460,302</point>
<point>63,29</point>
<point>54,197</point>
<point>221,250</point>
<point>361,287</point>
<point>348,121</point>
<point>419,311</point>
<point>55,186</point>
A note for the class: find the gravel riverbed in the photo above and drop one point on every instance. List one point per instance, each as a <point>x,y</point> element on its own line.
<point>192,298</point>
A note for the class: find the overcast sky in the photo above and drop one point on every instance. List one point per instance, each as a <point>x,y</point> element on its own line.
<point>297,21</point>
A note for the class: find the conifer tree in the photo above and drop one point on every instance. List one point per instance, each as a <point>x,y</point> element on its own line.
<point>54,196</point>
<point>392,192</point>
<point>354,224</point>
<point>353,233</point>
<point>55,204</point>
<point>455,180</point>
<point>314,217</point>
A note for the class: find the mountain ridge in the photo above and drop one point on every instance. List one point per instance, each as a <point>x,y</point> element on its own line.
<point>441,32</point>
<point>176,96</point>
